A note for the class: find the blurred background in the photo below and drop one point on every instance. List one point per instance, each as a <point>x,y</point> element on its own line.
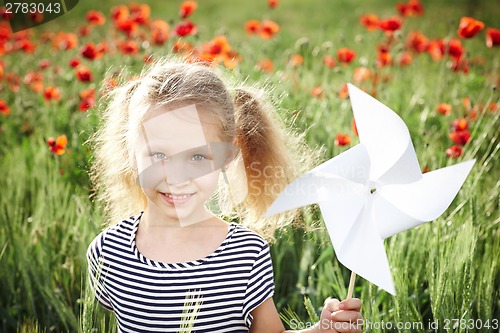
<point>439,72</point>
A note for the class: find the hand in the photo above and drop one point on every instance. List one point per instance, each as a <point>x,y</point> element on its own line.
<point>342,317</point>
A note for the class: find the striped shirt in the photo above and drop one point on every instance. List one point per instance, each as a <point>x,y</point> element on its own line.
<point>213,294</point>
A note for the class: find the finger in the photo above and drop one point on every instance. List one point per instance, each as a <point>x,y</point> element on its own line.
<point>350,304</point>
<point>347,316</point>
<point>332,304</point>
<point>346,327</point>
<point>350,329</point>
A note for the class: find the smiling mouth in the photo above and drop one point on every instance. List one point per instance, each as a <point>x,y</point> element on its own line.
<point>177,198</point>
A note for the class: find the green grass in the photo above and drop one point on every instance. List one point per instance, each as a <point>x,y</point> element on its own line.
<point>444,270</point>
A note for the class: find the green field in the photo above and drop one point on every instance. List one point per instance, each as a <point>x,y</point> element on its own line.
<point>446,272</point>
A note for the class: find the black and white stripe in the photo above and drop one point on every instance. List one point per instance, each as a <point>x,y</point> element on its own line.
<point>150,296</point>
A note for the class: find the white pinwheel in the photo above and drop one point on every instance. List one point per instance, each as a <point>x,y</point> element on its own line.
<point>373,190</point>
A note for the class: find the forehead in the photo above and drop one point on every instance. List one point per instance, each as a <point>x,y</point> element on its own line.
<point>182,128</point>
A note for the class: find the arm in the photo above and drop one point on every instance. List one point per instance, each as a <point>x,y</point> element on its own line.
<point>335,314</point>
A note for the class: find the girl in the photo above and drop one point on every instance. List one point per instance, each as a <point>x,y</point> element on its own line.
<point>173,265</point>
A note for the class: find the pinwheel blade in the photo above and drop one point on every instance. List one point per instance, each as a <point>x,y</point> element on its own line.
<point>313,188</point>
<point>353,164</point>
<point>341,175</point>
<point>356,242</point>
<point>428,198</point>
<point>386,138</point>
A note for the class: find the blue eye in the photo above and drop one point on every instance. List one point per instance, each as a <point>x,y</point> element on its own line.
<point>160,156</point>
<point>198,157</point>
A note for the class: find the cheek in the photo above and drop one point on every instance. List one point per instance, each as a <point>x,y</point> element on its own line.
<point>209,182</point>
<point>151,176</point>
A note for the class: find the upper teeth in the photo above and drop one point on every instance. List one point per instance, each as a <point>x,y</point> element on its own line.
<point>177,196</point>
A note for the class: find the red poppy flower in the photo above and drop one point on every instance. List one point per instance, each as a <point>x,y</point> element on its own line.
<point>109,84</point>
<point>436,49</point>
<point>25,45</point>
<point>4,108</point>
<point>444,108</point>
<point>34,80</point>
<point>268,29</point>
<point>139,13</point>
<point>391,24</point>
<point>252,27</point>
<point>159,32</point>
<point>217,46</point>
<point>455,48</point>
<point>74,62</point>
<point>86,103</point>
<point>95,17</point>
<point>459,124</point>
<point>90,51</point>
<point>44,64</point>
<point>13,81</point>
<point>460,137</point>
<point>87,93</point>
<point>231,59</point>
<point>52,93</point>
<point>273,3</point>
<point>317,92</point>
<point>354,127</point>
<point>84,31</point>
<point>185,28</point>
<point>102,47</point>
<point>65,41</point>
<point>84,74</point>
<point>119,13</point>
<point>405,59</point>
<point>417,41</point>
<point>58,146</point>
<point>329,61</point>
<point>128,47</point>
<point>383,58</point>
<point>466,102</point>
<point>369,21</point>
<point>5,14</point>
<point>265,65</point>
<point>148,59</point>
<point>182,46</point>
<point>345,55</point>
<point>344,91</point>
<point>492,37</point>
<point>187,8</point>
<point>469,27</point>
<point>412,8</point>
<point>361,74</point>
<point>342,139</point>
<point>296,60</point>
<point>454,152</point>
<point>494,107</point>
<point>460,65</point>
<point>36,17</point>
<point>127,25</point>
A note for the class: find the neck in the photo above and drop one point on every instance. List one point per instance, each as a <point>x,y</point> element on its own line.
<point>156,228</point>
<point>154,218</point>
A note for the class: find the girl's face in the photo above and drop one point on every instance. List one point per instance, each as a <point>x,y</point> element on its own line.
<point>179,157</point>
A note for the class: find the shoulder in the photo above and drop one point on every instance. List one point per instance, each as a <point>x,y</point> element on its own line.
<point>245,237</point>
<point>122,231</point>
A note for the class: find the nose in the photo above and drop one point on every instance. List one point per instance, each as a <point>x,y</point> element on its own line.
<point>176,172</point>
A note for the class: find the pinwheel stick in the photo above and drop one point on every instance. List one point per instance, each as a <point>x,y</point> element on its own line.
<point>351,285</point>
